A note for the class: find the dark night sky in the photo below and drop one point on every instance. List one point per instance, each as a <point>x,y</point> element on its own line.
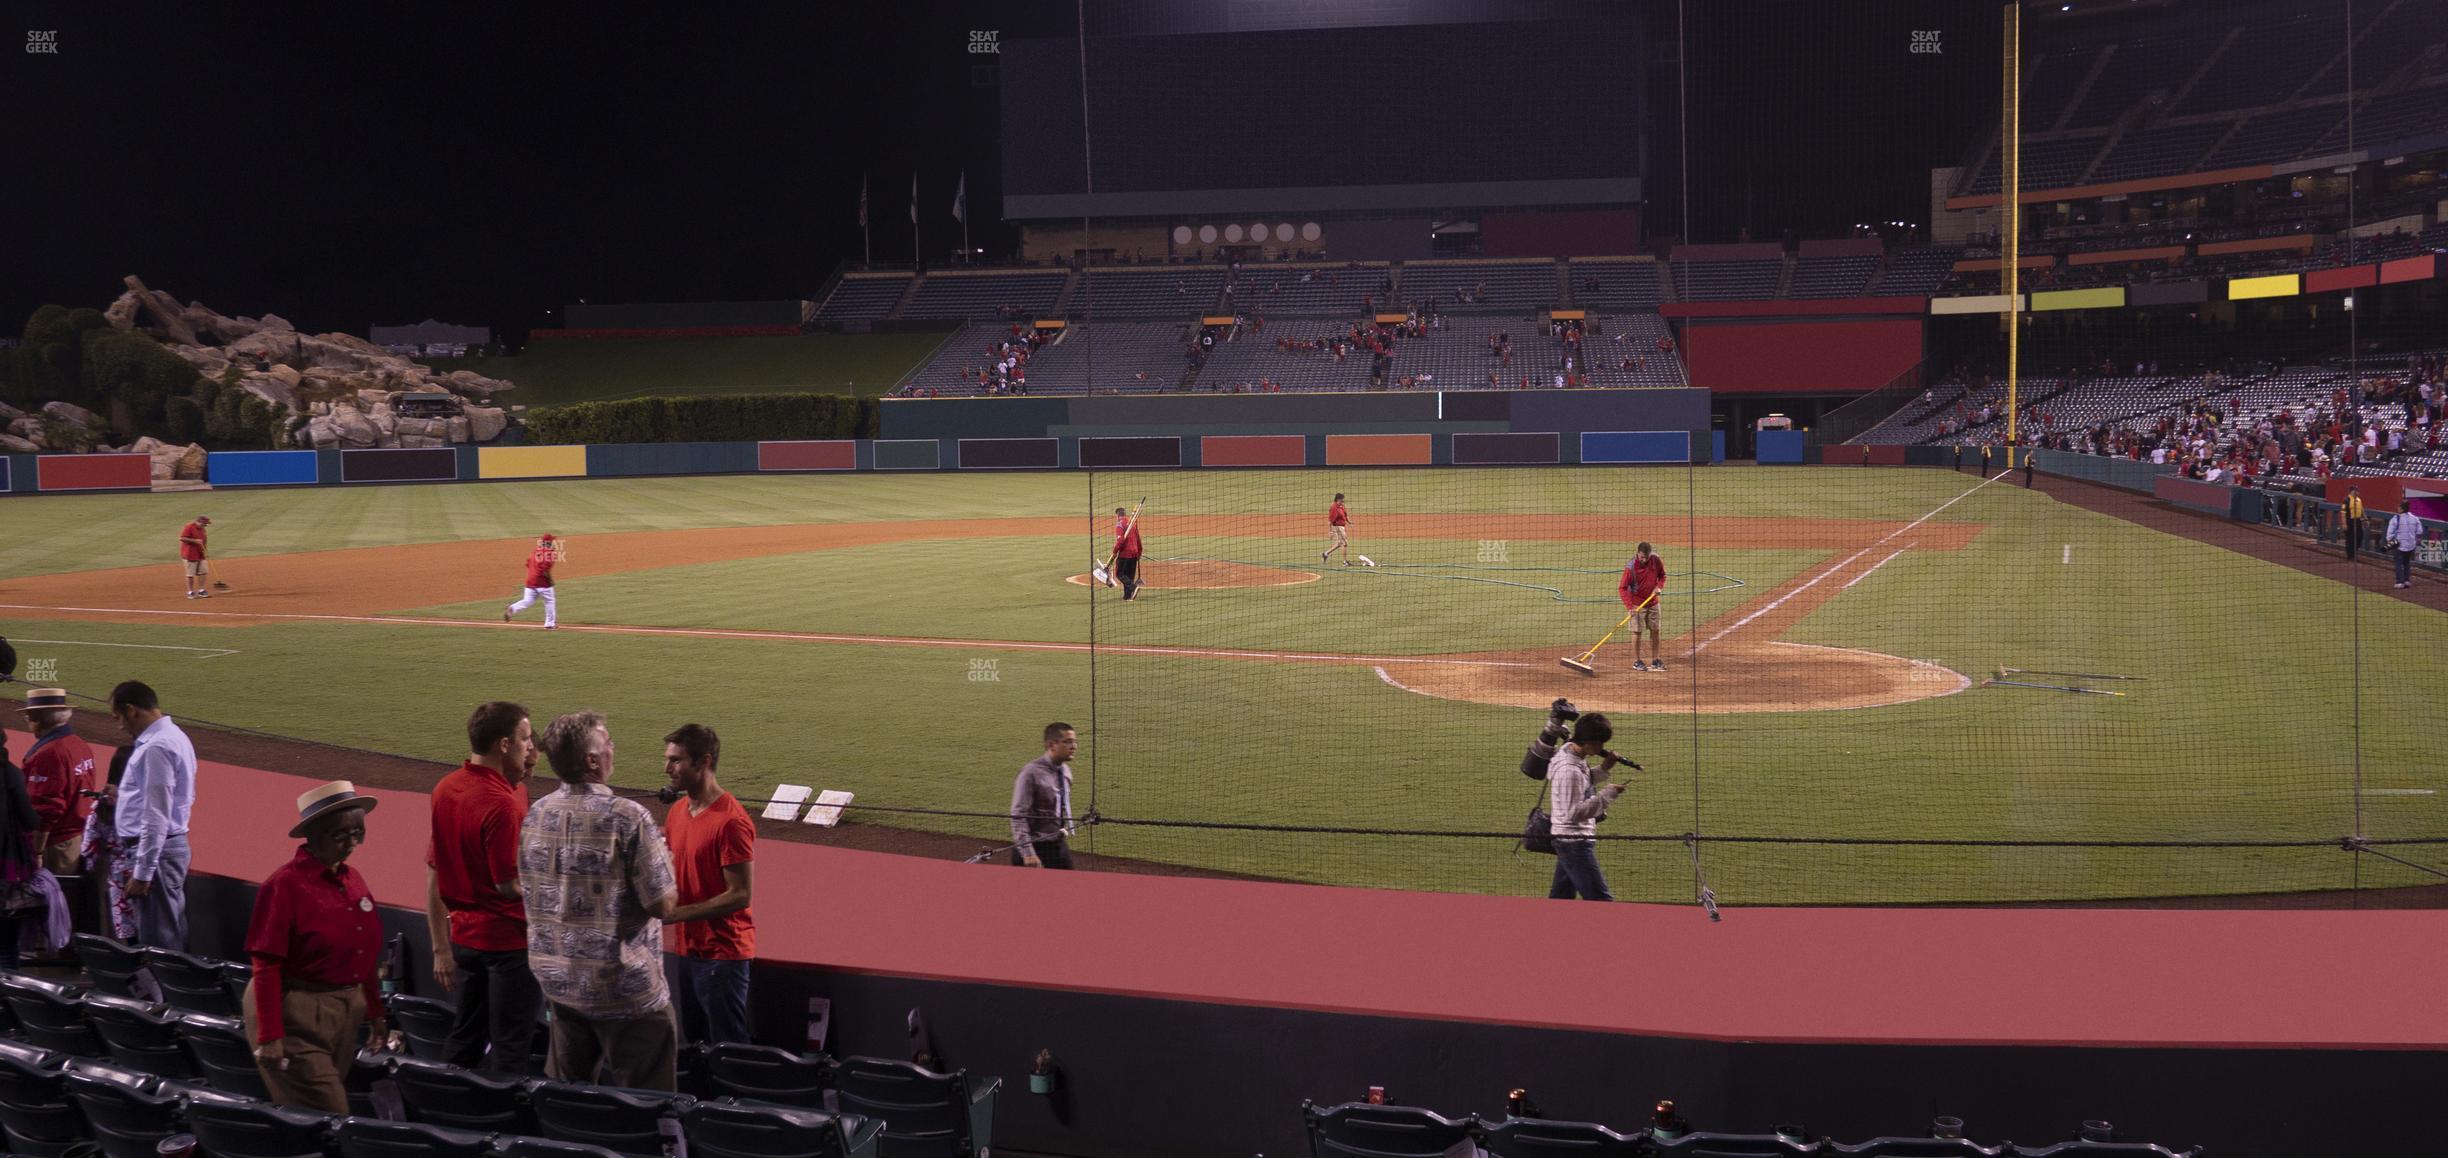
<point>343,165</point>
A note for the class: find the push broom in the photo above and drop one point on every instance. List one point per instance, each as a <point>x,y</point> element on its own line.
<point>1103,572</point>
<point>1580,663</point>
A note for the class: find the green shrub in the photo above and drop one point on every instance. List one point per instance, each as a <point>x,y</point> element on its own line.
<point>720,418</point>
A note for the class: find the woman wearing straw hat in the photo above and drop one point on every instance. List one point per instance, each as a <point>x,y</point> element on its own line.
<point>315,941</point>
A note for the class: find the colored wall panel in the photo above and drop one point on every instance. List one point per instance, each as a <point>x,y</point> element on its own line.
<point>531,462</point>
<point>2106,297</point>
<point>828,454</point>
<point>94,472</point>
<point>1636,446</point>
<point>1114,453</point>
<point>426,464</point>
<point>262,468</point>
<point>2277,285</point>
<point>1518,449</point>
<point>1801,357</point>
<point>2167,293</point>
<point>2410,269</point>
<point>7,476</point>
<point>1974,304</point>
<point>2200,496</point>
<point>1380,450</point>
<point>1010,453</point>
<point>2321,281</point>
<point>1254,450</point>
<point>614,460</point>
<point>1778,446</point>
<point>908,454</point>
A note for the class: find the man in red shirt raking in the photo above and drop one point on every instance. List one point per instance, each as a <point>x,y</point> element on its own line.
<point>1126,552</point>
<point>1644,581</point>
<point>191,556</point>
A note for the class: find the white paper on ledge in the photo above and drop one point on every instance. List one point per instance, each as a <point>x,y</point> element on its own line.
<point>828,807</point>
<point>785,803</point>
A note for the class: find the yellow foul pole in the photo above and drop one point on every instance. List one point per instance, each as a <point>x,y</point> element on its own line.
<point>2010,195</point>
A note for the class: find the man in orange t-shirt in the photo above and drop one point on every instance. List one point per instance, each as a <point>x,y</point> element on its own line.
<point>710,938</point>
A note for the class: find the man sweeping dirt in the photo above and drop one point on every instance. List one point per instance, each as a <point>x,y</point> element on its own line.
<point>1643,583</point>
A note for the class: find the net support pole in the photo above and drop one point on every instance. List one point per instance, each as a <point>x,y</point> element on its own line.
<point>2010,192</point>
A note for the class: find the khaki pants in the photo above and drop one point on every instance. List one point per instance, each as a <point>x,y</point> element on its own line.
<point>63,858</point>
<point>641,1053</point>
<point>321,1042</point>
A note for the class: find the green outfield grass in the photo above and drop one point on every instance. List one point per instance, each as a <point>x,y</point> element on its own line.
<point>561,371</point>
<point>2246,727</point>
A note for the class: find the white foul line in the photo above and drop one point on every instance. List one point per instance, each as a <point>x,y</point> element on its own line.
<point>211,652</point>
<point>792,636</point>
<point>1875,566</point>
<point>2069,554</point>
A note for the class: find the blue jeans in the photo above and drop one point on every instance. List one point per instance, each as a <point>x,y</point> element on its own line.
<point>1577,873</point>
<point>712,996</point>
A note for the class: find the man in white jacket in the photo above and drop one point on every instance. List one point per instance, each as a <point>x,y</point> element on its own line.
<point>1576,802</point>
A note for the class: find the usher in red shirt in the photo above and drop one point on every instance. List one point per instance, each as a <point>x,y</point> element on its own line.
<point>59,766</point>
<point>313,923</point>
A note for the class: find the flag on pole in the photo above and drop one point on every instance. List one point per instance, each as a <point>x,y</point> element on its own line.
<point>913,198</point>
<point>960,200</point>
<point>862,200</point>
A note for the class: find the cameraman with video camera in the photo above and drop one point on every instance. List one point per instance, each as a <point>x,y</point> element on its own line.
<point>1577,800</point>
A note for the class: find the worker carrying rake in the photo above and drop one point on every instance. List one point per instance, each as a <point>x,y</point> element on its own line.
<point>1643,582</point>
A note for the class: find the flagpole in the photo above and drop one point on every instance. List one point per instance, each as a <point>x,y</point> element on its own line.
<point>962,202</point>
<point>866,235</point>
<point>917,247</point>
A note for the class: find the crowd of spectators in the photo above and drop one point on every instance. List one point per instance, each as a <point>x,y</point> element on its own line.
<point>2397,415</point>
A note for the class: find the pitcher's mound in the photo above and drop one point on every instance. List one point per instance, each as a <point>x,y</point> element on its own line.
<point>1733,677</point>
<point>1209,575</point>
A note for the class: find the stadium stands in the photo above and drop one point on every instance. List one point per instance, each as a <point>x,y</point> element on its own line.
<point>2268,58</point>
<point>2397,116</point>
<point>2275,136</point>
<point>1177,293</point>
<point>863,297</point>
<point>1274,291</point>
<point>2168,149</point>
<point>1371,1130</point>
<point>1916,271</point>
<point>1479,287</point>
<point>1727,281</point>
<point>985,295</point>
<point>1111,356</point>
<point>1832,277</point>
<point>2047,164</point>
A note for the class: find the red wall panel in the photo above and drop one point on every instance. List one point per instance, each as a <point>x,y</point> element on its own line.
<point>1801,357</point>
<point>1585,233</point>
<point>94,472</point>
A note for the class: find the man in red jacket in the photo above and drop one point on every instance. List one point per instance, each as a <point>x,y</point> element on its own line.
<point>59,770</point>
<point>1126,552</point>
<point>1644,580</point>
<point>539,582</point>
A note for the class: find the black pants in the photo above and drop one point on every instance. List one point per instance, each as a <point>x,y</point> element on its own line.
<point>1055,853</point>
<point>498,1007</point>
<point>2354,537</point>
<point>1126,572</point>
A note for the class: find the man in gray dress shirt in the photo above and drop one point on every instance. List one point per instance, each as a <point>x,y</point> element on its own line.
<point>1041,803</point>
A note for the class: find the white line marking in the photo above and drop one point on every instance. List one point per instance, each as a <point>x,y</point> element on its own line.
<point>2069,554</point>
<point>1779,601</point>
<point>211,652</point>
<point>1381,674</point>
<point>1875,566</point>
<point>797,636</point>
<point>2399,791</point>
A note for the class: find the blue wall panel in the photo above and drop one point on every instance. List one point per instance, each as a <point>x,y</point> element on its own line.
<point>1779,447</point>
<point>262,468</point>
<point>1636,446</point>
<point>650,458</point>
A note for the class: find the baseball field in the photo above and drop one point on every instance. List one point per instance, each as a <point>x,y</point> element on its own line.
<point>1833,641</point>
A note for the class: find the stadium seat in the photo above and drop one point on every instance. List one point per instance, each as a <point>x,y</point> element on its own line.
<point>112,965</point>
<point>1919,1148</point>
<point>1540,1138</point>
<point>423,1022</point>
<point>140,1036</point>
<point>232,1127</point>
<point>438,1094</point>
<point>375,1138</point>
<point>2081,1149</point>
<point>924,1112</point>
<point>624,1121</point>
<point>739,1129</point>
<point>763,1073</point>
<point>126,1111</point>
<point>194,984</point>
<point>51,1016</point>
<point>523,1147</point>
<point>222,1055</point>
<point>1361,1130</point>
<point>1703,1144</point>
<point>41,1120</point>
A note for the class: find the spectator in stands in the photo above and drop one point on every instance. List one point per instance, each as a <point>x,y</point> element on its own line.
<point>314,942</point>
<point>21,831</point>
<point>105,851</point>
<point>1576,802</point>
<point>59,771</point>
<point>1041,803</point>
<point>474,917</point>
<point>713,852</point>
<point>2404,535</point>
<point>154,802</point>
<point>602,888</point>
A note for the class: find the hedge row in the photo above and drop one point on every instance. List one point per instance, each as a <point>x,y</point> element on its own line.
<point>722,418</point>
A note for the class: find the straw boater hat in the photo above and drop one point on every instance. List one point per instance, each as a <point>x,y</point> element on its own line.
<point>328,798</point>
<point>44,700</point>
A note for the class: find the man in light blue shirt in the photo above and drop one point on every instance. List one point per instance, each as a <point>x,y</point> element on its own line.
<point>2404,538</point>
<point>155,797</point>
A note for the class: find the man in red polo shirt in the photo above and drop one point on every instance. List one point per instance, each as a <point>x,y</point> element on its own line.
<point>1644,580</point>
<point>710,938</point>
<point>191,556</point>
<point>315,942</point>
<point>1338,538</point>
<point>473,911</point>
<point>59,769</point>
<point>1126,551</point>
